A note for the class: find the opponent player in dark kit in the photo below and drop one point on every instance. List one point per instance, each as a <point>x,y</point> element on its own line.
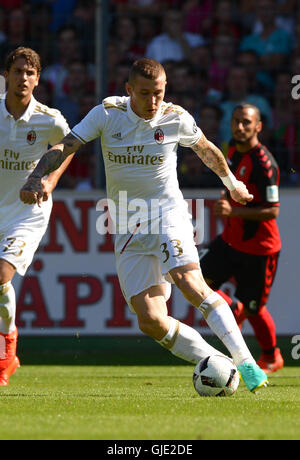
<point>248,249</point>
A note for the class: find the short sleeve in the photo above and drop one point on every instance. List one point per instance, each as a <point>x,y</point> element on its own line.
<point>91,125</point>
<point>267,180</point>
<point>189,132</point>
<point>59,130</point>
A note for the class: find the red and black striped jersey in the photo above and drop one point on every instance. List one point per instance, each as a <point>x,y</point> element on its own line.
<point>259,171</point>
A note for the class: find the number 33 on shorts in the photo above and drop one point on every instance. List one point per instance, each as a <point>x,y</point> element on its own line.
<point>16,245</point>
<point>173,249</point>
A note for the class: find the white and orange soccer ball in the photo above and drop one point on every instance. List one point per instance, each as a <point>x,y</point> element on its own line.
<point>216,376</point>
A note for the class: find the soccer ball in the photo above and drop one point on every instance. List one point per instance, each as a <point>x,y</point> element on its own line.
<point>216,376</point>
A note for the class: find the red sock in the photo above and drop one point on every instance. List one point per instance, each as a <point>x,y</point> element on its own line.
<point>264,329</point>
<point>8,347</point>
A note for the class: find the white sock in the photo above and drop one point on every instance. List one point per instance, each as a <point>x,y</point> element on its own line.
<point>220,319</point>
<point>7,308</point>
<point>186,343</point>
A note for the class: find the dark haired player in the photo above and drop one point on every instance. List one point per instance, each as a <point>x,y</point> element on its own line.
<point>26,129</point>
<point>248,249</point>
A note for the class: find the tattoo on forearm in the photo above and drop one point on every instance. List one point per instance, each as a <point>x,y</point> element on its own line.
<point>54,158</point>
<point>49,162</point>
<point>70,141</point>
<point>211,156</point>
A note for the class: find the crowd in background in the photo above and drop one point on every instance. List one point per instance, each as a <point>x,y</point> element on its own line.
<point>216,53</point>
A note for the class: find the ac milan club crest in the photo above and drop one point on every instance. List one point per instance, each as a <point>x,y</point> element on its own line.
<point>159,136</point>
<point>31,137</point>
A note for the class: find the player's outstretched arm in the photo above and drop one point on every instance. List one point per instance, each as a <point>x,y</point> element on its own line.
<point>214,159</point>
<point>50,182</point>
<point>32,192</point>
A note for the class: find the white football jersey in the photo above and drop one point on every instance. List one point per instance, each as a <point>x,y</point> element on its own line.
<point>140,156</point>
<point>22,144</point>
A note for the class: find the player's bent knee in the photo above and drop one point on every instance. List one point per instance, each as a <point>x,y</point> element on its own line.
<point>148,325</point>
<point>192,286</point>
<point>151,326</point>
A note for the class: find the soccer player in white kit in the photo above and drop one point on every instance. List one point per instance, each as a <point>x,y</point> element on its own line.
<point>27,128</point>
<point>139,137</point>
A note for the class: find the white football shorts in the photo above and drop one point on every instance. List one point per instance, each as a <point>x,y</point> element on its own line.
<point>144,260</point>
<point>19,245</point>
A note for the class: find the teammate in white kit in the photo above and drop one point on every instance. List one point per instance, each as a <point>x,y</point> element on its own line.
<point>139,136</point>
<point>27,128</point>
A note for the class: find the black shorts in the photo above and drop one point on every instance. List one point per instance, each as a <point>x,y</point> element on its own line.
<point>253,275</point>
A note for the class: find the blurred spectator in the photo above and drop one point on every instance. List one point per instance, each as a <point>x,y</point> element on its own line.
<point>2,22</point>
<point>237,92</point>
<point>246,13</point>
<point>41,36</point>
<point>272,44</point>
<point>61,11</point>
<point>285,10</point>
<point>295,64</point>
<point>201,57</point>
<point>296,44</point>
<point>124,33</point>
<point>224,20</point>
<point>223,55</point>
<point>16,32</point>
<point>282,100</point>
<point>192,171</point>
<point>183,79</point>
<point>117,84</point>
<point>289,134</point>
<point>173,43</point>
<point>81,171</point>
<point>83,18</point>
<point>189,102</point>
<point>146,30</point>
<point>43,94</point>
<point>75,85</point>
<point>68,49</point>
<point>113,60</point>
<point>259,82</point>
<point>209,120</point>
<point>287,128</point>
<point>80,174</point>
<point>11,4</point>
<point>141,7</point>
<point>198,16</point>
<point>284,18</point>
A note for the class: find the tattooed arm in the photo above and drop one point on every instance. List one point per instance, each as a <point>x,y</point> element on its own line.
<point>211,156</point>
<point>52,164</point>
<point>214,159</point>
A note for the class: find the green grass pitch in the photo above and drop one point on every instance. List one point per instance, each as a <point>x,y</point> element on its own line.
<point>131,389</point>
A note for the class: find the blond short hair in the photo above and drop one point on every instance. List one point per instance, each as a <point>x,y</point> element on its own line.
<point>147,68</point>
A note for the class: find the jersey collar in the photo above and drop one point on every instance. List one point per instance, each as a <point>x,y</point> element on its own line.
<point>136,119</point>
<point>26,115</point>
